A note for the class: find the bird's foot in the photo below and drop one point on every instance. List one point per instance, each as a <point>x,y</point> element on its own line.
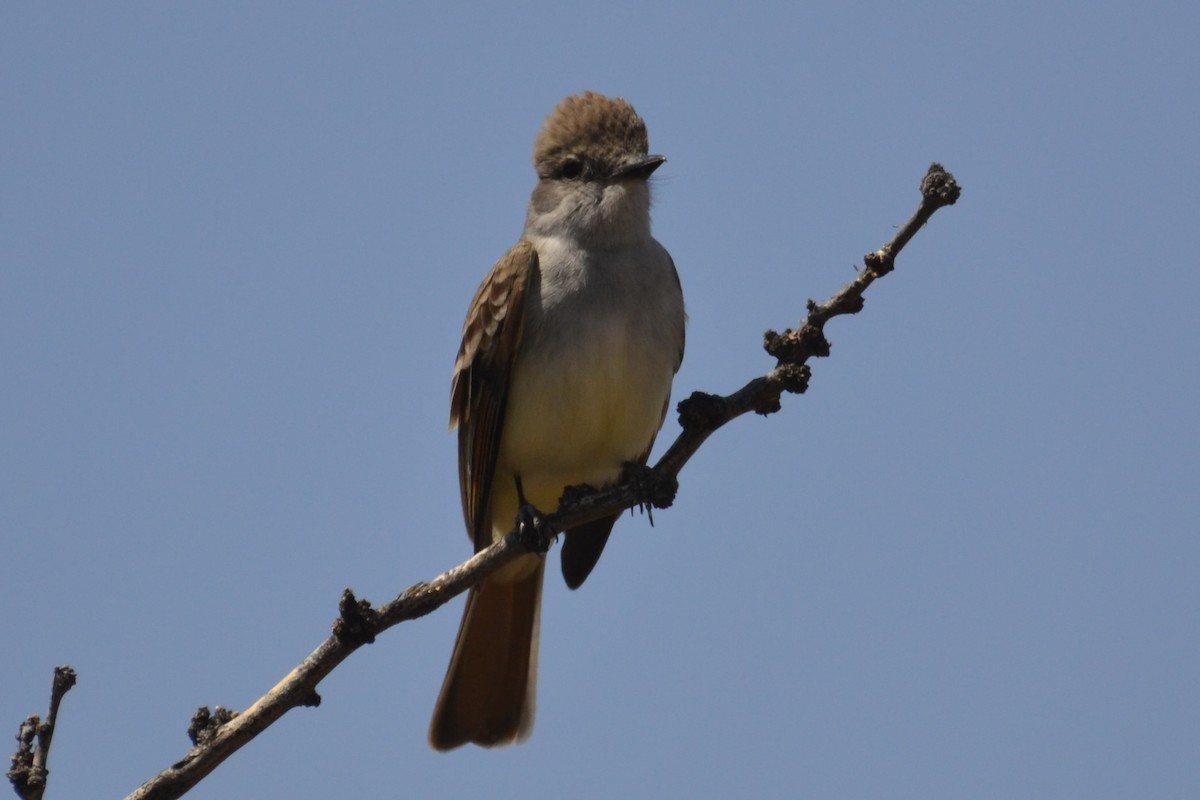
<point>535,535</point>
<point>651,490</point>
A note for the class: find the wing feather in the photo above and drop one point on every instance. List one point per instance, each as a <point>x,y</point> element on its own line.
<point>479,390</point>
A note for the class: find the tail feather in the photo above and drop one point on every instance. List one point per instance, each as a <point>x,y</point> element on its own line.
<point>489,694</point>
<point>582,547</point>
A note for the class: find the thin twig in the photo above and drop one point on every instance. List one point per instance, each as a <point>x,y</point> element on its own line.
<point>29,770</point>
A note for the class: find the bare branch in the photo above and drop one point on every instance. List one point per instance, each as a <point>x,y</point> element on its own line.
<point>219,733</point>
<point>29,772</point>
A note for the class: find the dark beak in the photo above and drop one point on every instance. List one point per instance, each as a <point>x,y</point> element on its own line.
<point>641,167</point>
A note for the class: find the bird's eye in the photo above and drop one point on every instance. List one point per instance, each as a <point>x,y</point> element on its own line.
<point>571,169</point>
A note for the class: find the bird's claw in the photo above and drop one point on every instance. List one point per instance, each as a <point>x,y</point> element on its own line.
<point>535,535</point>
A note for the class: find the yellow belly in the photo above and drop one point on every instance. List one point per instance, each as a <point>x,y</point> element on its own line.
<point>577,422</point>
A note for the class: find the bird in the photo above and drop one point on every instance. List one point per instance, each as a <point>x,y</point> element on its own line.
<point>563,378</point>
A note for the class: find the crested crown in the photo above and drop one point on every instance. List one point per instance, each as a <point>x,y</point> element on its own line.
<point>603,128</point>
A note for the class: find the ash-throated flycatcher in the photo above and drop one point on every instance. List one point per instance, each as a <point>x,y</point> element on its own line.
<point>563,377</point>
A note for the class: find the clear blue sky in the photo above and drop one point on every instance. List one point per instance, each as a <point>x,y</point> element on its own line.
<point>236,245</point>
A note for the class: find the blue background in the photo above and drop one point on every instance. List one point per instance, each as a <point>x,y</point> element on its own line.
<point>237,241</point>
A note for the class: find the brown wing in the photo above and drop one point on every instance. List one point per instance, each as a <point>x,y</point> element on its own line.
<point>479,391</point>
